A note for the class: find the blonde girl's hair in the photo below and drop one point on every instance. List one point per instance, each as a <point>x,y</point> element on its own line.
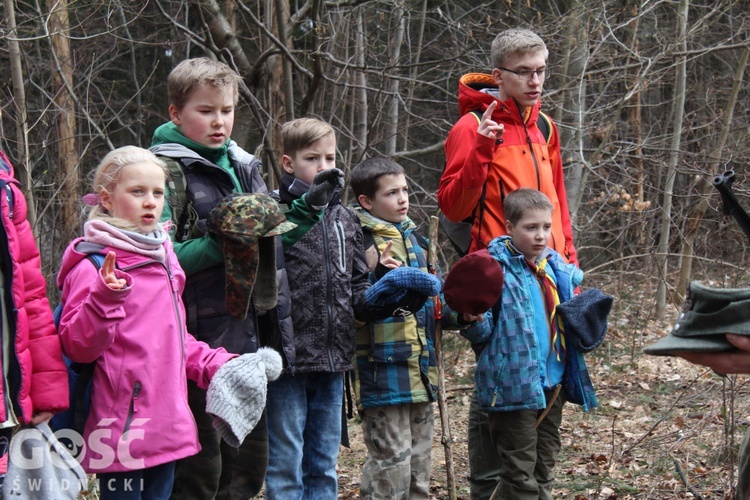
<point>107,175</point>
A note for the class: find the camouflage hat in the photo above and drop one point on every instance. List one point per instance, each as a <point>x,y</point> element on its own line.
<point>245,223</point>
<point>244,216</point>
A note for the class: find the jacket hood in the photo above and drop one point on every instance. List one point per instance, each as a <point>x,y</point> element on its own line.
<point>5,165</point>
<point>175,150</point>
<point>178,150</point>
<point>477,90</point>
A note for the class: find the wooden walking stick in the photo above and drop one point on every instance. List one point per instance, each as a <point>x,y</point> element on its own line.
<point>442,405</point>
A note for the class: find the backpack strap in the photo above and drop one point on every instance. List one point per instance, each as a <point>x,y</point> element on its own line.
<point>97,259</point>
<point>369,241</point>
<point>80,374</point>
<point>422,241</point>
<point>544,124</point>
<point>179,201</point>
<point>85,371</point>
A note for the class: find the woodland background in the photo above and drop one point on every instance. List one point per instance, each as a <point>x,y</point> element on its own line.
<point>651,98</point>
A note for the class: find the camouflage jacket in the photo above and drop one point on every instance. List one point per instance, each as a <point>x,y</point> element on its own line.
<point>204,294</point>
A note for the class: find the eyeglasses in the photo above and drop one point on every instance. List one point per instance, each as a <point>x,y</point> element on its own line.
<point>527,74</point>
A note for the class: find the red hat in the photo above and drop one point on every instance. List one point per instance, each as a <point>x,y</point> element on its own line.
<point>474,283</point>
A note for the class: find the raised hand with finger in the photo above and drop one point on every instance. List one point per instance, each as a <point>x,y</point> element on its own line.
<point>108,273</point>
<point>487,126</point>
<point>386,262</point>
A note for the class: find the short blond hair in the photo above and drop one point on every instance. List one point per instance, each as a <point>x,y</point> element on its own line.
<point>302,132</point>
<point>191,74</point>
<point>515,41</point>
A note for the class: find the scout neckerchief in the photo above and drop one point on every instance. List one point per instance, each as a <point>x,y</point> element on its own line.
<point>551,301</point>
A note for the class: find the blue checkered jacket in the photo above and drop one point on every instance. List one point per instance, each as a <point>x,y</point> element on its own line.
<point>507,371</point>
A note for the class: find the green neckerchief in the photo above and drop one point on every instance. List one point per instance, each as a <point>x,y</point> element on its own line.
<point>169,132</point>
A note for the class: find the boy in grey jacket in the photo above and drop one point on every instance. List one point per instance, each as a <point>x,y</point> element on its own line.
<point>328,278</point>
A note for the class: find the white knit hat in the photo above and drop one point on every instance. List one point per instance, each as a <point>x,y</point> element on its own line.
<point>236,395</point>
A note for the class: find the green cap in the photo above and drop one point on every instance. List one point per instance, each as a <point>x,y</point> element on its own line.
<point>707,316</point>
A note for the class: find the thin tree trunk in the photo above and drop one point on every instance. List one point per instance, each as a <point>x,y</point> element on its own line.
<point>574,60</point>
<point>23,169</point>
<point>391,106</point>
<point>414,74</point>
<point>674,158</point>
<point>276,88</point>
<point>360,92</point>
<point>65,120</point>
<point>696,216</point>
<point>635,125</point>
<point>282,17</point>
<point>445,423</point>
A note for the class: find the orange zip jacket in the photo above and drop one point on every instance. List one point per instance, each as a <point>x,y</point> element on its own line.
<point>522,158</point>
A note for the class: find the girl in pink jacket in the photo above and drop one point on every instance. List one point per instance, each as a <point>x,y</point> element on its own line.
<point>129,318</point>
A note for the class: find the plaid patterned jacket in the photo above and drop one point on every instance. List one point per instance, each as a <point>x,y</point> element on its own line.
<point>395,360</point>
<point>507,372</point>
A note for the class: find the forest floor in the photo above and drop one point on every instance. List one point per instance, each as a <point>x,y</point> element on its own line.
<point>665,429</point>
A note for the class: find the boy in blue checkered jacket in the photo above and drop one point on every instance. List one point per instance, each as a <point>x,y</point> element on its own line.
<point>526,371</point>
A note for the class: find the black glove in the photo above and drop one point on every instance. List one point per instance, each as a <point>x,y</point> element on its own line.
<point>381,270</point>
<point>323,186</point>
<point>410,303</point>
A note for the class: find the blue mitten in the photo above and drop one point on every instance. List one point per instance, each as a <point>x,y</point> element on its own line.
<point>401,291</point>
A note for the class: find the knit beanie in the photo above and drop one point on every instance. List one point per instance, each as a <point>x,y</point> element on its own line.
<point>40,467</point>
<point>392,287</point>
<point>584,318</point>
<point>236,395</point>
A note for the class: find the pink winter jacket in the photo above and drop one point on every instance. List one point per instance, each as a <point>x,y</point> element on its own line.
<point>139,414</point>
<point>37,377</point>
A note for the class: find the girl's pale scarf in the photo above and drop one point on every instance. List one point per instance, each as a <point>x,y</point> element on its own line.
<point>150,245</point>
